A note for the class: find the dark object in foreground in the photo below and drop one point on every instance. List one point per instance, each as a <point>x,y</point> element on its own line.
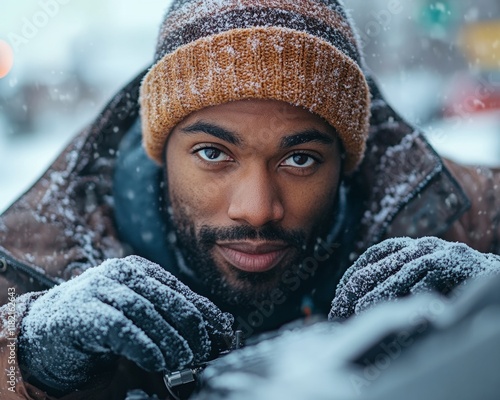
<point>425,346</point>
<point>181,384</point>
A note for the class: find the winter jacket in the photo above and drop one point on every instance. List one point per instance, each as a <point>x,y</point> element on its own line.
<point>68,221</point>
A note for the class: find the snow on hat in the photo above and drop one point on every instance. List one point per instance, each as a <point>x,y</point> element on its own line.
<point>211,52</point>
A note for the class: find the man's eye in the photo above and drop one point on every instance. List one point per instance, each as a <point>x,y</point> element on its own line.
<point>212,154</point>
<point>300,160</point>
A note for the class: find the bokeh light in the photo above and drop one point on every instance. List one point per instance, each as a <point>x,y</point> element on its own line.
<point>6,58</point>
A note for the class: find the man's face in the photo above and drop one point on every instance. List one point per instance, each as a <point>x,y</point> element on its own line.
<point>252,185</point>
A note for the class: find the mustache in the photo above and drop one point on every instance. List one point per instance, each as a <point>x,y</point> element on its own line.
<point>209,235</point>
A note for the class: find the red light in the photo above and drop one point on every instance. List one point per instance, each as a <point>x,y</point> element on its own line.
<point>6,58</point>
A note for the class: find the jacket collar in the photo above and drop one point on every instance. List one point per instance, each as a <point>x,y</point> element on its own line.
<point>405,187</point>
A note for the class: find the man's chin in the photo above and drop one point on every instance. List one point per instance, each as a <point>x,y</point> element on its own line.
<point>241,289</point>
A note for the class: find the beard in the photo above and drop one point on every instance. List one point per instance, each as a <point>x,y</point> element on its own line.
<point>229,287</point>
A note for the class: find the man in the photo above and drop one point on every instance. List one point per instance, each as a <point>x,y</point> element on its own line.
<point>265,179</point>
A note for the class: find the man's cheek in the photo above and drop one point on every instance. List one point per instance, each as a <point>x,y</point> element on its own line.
<point>325,207</point>
<point>187,195</point>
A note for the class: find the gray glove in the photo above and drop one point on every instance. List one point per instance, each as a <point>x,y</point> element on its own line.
<point>131,307</point>
<point>398,267</point>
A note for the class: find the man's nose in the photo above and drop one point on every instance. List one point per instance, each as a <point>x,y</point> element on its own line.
<point>256,200</point>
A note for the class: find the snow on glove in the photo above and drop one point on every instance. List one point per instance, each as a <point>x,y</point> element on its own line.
<point>127,307</point>
<point>401,266</point>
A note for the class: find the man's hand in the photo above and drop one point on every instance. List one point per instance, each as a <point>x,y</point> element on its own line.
<point>127,307</point>
<point>398,267</point>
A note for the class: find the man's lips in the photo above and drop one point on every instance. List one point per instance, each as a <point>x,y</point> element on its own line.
<point>253,256</point>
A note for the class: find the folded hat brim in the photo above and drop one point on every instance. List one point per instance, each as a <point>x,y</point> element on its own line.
<point>257,63</point>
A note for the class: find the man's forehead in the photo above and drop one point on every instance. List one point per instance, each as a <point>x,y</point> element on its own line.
<point>257,107</point>
<point>261,117</point>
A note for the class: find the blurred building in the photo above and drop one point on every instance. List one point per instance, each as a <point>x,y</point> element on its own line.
<point>439,64</point>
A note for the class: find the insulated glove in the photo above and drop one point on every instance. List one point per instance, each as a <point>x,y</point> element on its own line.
<point>401,266</point>
<point>130,307</point>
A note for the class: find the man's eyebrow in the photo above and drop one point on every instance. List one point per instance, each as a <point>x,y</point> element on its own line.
<point>310,135</point>
<point>214,130</point>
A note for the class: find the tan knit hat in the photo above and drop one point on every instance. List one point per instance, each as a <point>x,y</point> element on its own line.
<point>212,52</point>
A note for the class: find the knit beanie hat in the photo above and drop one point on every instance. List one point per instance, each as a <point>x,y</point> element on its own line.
<point>303,52</point>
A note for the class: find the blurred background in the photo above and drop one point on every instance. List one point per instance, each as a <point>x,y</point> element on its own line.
<point>438,62</point>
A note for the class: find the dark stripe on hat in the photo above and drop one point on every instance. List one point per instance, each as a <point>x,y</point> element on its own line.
<point>256,17</point>
<point>334,5</point>
<point>186,11</point>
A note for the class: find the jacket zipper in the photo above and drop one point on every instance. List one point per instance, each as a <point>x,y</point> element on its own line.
<point>38,276</point>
